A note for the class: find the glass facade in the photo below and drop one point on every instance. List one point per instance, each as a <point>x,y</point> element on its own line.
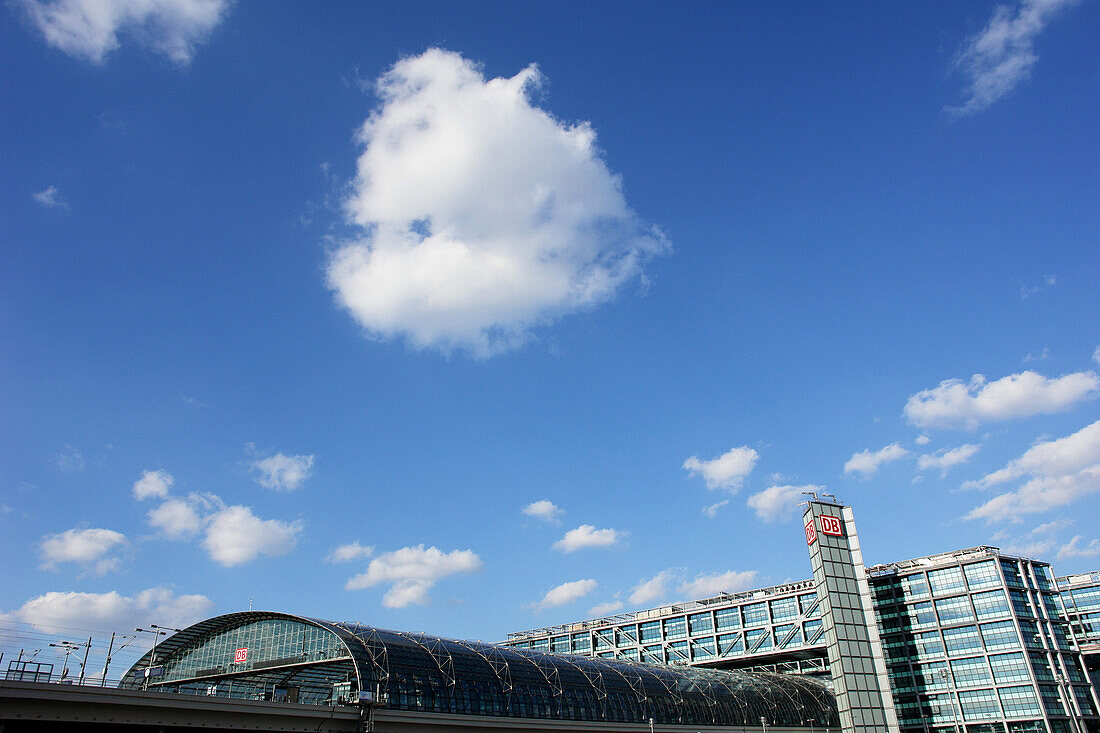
<point>277,656</point>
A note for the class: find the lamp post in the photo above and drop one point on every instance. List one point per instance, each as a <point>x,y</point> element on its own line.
<point>157,632</point>
<point>1067,696</point>
<point>946,675</point>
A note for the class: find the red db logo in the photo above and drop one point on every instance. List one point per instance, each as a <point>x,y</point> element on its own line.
<point>831,526</point>
<point>811,533</point>
<point>241,655</point>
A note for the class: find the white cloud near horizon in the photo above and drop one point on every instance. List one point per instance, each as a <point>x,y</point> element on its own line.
<point>954,404</point>
<point>867,462</point>
<point>153,485</point>
<point>566,593</point>
<point>779,502</point>
<point>50,198</point>
<point>656,588</point>
<point>1073,548</point>
<point>1001,55</point>
<point>1054,473</point>
<point>90,29</point>
<point>587,535</point>
<point>412,572</point>
<point>482,215</point>
<point>605,609</point>
<point>946,459</point>
<point>58,612</point>
<point>545,510</point>
<point>282,472</point>
<point>706,586</point>
<point>351,551</point>
<point>89,548</point>
<point>727,471</point>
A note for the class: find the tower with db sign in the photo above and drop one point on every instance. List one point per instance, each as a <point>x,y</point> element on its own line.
<point>856,663</point>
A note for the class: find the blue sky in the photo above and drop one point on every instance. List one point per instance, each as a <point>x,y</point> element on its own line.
<point>475,318</point>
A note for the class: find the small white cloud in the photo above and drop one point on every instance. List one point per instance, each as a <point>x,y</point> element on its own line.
<point>727,471</point>
<point>482,215</point>
<point>1073,548</point>
<point>954,404</point>
<point>349,552</point>
<point>153,485</point>
<point>89,548</point>
<point>656,588</point>
<point>50,198</point>
<point>234,536</point>
<point>779,502</point>
<point>945,459</point>
<point>1026,291</point>
<point>1041,356</point>
<point>706,586</point>
<point>711,510</point>
<point>605,609</point>
<point>1096,355</point>
<point>412,572</point>
<point>567,593</point>
<point>70,461</point>
<point>867,462</point>
<point>179,518</point>
<point>544,510</point>
<point>282,472</point>
<point>59,612</point>
<point>1054,473</point>
<point>587,535</point>
<point>1000,56</point>
<point>922,440</point>
<point>90,29</point>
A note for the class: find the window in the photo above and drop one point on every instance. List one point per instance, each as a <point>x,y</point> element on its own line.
<point>1009,668</point>
<point>962,640</point>
<point>793,631</point>
<point>914,586</point>
<point>784,608</point>
<point>1012,574</point>
<point>581,642</point>
<point>731,644</point>
<point>650,631</point>
<point>971,672</point>
<point>922,615</point>
<point>1020,604</point>
<point>1041,665</point>
<point>626,635</point>
<point>929,644</point>
<point>1019,701</point>
<point>758,640</point>
<point>702,649</point>
<point>700,623</point>
<point>756,614</point>
<point>946,581</point>
<point>991,604</point>
<point>982,575</point>
<point>806,601</point>
<point>1032,637</point>
<point>675,628</point>
<point>728,618</point>
<point>979,704</point>
<point>813,629</point>
<point>932,676</point>
<point>1052,701</point>
<point>955,610</point>
<point>559,644</point>
<point>1000,635</point>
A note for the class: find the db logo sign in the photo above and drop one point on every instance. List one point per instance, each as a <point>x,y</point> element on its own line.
<point>811,533</point>
<point>831,526</point>
<point>241,655</point>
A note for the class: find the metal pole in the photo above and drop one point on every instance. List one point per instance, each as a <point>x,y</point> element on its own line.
<point>87,648</point>
<point>107,660</point>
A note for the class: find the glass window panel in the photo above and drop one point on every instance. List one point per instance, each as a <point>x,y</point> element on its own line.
<point>922,615</point>
<point>955,610</point>
<point>979,704</point>
<point>728,618</point>
<point>930,644</point>
<point>991,604</point>
<point>675,628</point>
<point>982,575</point>
<point>1019,701</point>
<point>914,586</point>
<point>962,640</point>
<point>650,631</point>
<point>700,623</point>
<point>971,672</point>
<point>755,614</point>
<point>730,644</point>
<point>1009,667</point>
<point>946,581</point>
<point>1012,574</point>
<point>1000,635</point>
<point>783,609</point>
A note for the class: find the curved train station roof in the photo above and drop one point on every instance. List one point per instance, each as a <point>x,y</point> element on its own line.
<point>261,653</point>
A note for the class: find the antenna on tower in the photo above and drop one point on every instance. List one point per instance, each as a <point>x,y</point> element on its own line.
<point>250,603</point>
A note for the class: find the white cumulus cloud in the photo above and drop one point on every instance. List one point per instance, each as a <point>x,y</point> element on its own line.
<point>1074,548</point>
<point>946,459</point>
<point>90,29</point>
<point>656,588</point>
<point>779,502</point>
<point>954,404</point>
<point>89,548</point>
<point>483,216</point>
<point>1000,56</point>
<point>412,572</point>
<point>605,609</point>
<point>282,472</point>
<point>179,518</point>
<point>58,612</point>
<point>868,461</point>
<point>544,510</point>
<point>711,510</point>
<point>567,593</point>
<point>587,535</point>
<point>349,552</point>
<point>706,586</point>
<point>1053,474</point>
<point>234,536</point>
<point>153,485</point>
<point>727,471</point>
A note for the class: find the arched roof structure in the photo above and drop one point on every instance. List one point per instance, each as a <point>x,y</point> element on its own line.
<point>321,660</point>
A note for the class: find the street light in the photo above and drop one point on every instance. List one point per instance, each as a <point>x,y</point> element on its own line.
<point>157,632</point>
<point>946,675</point>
